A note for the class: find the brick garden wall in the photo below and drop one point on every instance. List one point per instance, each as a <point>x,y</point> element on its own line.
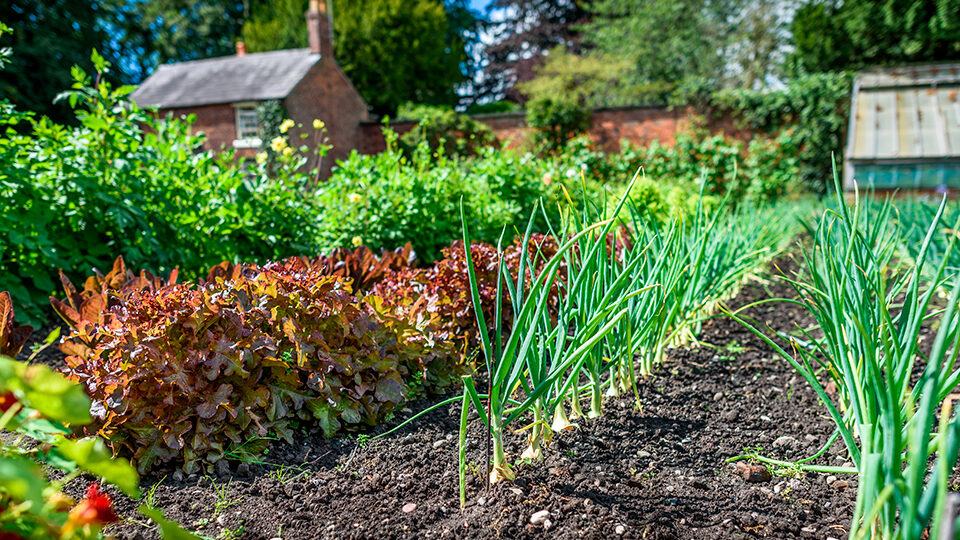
<point>608,126</point>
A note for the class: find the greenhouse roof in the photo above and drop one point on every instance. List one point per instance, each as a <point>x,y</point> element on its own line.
<point>909,113</point>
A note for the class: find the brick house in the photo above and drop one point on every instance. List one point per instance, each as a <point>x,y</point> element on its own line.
<point>224,92</point>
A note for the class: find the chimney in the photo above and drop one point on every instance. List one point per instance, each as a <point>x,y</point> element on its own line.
<point>241,48</point>
<point>319,29</point>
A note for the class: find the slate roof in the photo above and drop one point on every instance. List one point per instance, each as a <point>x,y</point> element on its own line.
<point>229,79</point>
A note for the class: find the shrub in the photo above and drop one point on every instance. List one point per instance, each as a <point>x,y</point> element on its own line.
<point>187,373</point>
<point>123,182</point>
<point>445,130</point>
<point>556,121</point>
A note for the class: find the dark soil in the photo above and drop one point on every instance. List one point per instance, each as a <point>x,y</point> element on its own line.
<point>658,472</point>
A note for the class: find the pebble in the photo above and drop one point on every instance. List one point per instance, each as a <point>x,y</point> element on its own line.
<point>409,507</point>
<point>620,529</point>
<point>243,470</point>
<point>539,517</point>
<point>810,438</point>
<point>222,468</point>
<point>766,418</point>
<point>547,525</point>
<point>643,454</point>
<point>840,485</point>
<point>730,415</point>
<point>718,396</point>
<point>481,501</point>
<point>439,443</point>
<point>784,441</point>
<point>831,479</point>
<point>754,473</point>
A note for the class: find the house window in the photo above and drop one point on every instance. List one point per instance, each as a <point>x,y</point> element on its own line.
<point>248,127</point>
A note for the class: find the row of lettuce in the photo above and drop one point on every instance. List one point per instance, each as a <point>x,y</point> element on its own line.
<point>122,182</point>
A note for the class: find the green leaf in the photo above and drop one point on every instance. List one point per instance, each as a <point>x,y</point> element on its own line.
<point>169,530</point>
<point>22,480</point>
<point>47,391</point>
<point>93,456</point>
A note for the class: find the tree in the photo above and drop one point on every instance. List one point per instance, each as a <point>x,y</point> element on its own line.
<point>523,32</point>
<point>394,51</point>
<point>147,33</point>
<point>831,35</point>
<point>48,37</point>
<point>590,80</point>
<point>666,41</point>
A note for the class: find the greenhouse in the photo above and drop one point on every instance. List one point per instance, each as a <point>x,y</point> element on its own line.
<point>905,128</point>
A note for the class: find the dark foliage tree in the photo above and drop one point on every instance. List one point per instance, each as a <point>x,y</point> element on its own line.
<point>394,51</point>
<point>48,37</point>
<point>523,30</point>
<point>831,35</point>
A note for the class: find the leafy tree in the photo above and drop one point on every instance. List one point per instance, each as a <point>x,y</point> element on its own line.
<point>524,31</point>
<point>48,36</point>
<point>665,40</point>
<point>152,32</point>
<point>589,80</point>
<point>394,51</point>
<point>831,35</point>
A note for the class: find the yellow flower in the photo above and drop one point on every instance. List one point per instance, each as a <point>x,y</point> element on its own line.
<point>278,144</point>
<point>318,124</point>
<point>286,125</point>
<point>357,241</point>
<point>354,197</point>
<point>262,158</point>
<point>288,151</point>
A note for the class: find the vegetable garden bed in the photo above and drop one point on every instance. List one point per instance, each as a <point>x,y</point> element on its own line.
<point>656,473</point>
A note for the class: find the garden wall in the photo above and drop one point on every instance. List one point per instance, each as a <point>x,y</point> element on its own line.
<point>640,125</point>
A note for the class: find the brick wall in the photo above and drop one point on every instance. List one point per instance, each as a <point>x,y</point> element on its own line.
<point>218,122</point>
<point>608,126</point>
<point>325,93</point>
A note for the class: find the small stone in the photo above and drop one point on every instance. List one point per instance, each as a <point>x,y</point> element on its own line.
<point>223,468</point>
<point>754,473</point>
<point>620,529</point>
<point>243,470</point>
<point>178,475</point>
<point>809,529</point>
<point>643,454</point>
<point>810,438</point>
<point>831,479</point>
<point>539,517</point>
<point>439,443</point>
<point>409,507</point>
<point>718,396</point>
<point>766,418</point>
<point>547,525</point>
<point>785,441</point>
<point>730,415</point>
<point>840,485</point>
<point>587,502</point>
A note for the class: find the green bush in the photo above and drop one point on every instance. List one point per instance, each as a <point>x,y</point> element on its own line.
<point>446,130</point>
<point>813,107</point>
<point>556,121</point>
<point>127,183</point>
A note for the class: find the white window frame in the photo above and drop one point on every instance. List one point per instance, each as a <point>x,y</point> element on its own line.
<point>248,141</point>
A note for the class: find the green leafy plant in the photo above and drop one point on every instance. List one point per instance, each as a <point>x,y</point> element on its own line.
<point>186,373</point>
<point>40,409</point>
<point>901,433</point>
